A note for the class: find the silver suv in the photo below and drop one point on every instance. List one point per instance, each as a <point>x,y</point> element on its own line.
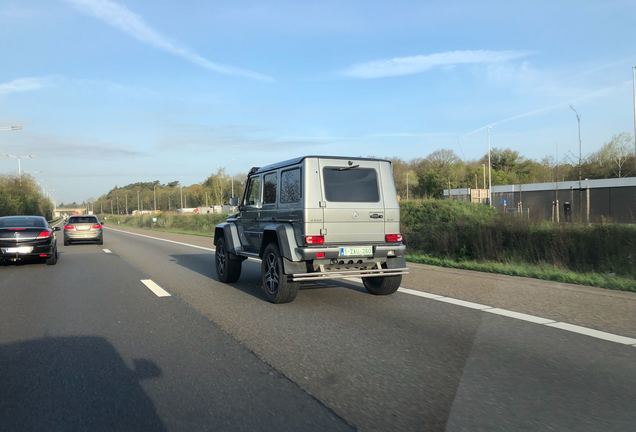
<point>314,218</point>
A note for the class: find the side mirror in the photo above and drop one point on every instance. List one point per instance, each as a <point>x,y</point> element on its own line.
<point>233,201</point>
<point>56,228</point>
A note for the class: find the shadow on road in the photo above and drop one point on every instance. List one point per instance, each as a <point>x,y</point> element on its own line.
<point>250,275</point>
<point>73,383</point>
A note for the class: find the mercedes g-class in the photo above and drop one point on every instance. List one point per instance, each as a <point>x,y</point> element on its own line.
<point>314,218</point>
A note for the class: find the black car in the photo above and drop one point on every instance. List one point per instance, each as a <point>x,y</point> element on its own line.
<point>27,237</point>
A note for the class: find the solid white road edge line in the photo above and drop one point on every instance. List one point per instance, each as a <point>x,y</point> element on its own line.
<point>593,333</point>
<point>623,340</point>
<point>108,251</point>
<point>152,286</point>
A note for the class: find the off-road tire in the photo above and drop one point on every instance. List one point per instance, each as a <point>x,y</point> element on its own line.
<point>383,285</point>
<point>228,270</point>
<point>274,283</point>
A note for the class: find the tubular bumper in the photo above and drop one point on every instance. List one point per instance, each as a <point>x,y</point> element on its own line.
<point>343,274</point>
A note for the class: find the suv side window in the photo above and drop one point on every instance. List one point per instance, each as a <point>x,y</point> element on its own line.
<point>253,195</point>
<point>270,184</point>
<point>290,186</point>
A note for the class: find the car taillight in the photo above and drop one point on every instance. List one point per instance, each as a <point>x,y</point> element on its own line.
<point>320,255</point>
<point>44,234</point>
<point>96,226</point>
<point>393,238</point>
<point>314,240</point>
<point>69,227</point>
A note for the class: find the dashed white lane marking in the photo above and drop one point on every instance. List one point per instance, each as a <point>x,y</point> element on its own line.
<point>161,239</point>
<point>108,251</point>
<point>457,302</point>
<point>152,286</point>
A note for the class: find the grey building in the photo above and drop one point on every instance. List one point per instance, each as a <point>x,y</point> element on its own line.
<point>612,200</point>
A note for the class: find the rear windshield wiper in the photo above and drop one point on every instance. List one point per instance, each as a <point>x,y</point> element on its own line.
<point>347,168</point>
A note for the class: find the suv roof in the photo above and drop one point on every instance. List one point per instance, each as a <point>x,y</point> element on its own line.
<point>297,160</point>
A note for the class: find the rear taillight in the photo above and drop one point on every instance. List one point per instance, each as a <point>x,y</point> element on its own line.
<point>314,240</point>
<point>96,226</point>
<point>69,227</point>
<point>393,238</point>
<point>44,234</point>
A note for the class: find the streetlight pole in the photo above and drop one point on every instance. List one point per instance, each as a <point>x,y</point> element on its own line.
<point>489,171</point>
<point>578,122</point>
<point>11,128</point>
<point>407,184</point>
<point>154,193</point>
<point>19,158</point>
<point>634,90</point>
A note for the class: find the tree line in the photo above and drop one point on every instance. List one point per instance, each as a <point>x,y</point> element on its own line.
<point>414,179</point>
<point>443,169</point>
<point>22,196</point>
<point>216,189</point>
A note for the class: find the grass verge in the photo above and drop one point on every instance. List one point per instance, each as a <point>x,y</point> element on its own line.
<point>545,272</point>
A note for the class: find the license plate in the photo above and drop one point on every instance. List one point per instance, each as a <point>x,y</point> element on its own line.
<point>20,250</point>
<point>357,251</point>
<point>83,228</point>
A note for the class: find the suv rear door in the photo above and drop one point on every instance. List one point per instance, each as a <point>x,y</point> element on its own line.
<point>353,201</point>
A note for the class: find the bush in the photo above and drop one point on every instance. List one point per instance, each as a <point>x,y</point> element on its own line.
<point>22,196</point>
<point>464,231</point>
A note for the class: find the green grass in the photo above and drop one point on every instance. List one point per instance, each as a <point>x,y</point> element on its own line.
<point>545,272</point>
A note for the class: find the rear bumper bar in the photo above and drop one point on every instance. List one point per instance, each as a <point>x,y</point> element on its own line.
<point>299,277</point>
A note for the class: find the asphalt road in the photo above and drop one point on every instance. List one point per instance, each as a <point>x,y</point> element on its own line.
<point>84,345</point>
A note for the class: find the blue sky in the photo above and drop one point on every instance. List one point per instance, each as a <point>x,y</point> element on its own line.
<point>111,92</point>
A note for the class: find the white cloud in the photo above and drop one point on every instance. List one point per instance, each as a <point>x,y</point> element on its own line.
<point>400,66</point>
<point>124,19</point>
<point>21,85</point>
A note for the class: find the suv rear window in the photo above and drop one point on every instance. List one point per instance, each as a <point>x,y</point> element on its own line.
<point>351,185</point>
<point>82,219</point>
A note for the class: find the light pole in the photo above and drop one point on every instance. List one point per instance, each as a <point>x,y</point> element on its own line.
<point>578,122</point>
<point>19,158</point>
<point>489,172</point>
<point>11,128</point>
<point>634,91</point>
<point>407,184</point>
<point>154,193</point>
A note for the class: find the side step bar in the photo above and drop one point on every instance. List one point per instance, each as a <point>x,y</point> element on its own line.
<point>299,277</point>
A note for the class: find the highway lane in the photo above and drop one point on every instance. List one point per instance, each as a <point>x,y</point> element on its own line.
<point>85,346</point>
<point>404,363</point>
<point>215,356</point>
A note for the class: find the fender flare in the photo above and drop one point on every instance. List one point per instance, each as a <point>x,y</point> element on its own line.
<point>229,232</point>
<point>284,234</point>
